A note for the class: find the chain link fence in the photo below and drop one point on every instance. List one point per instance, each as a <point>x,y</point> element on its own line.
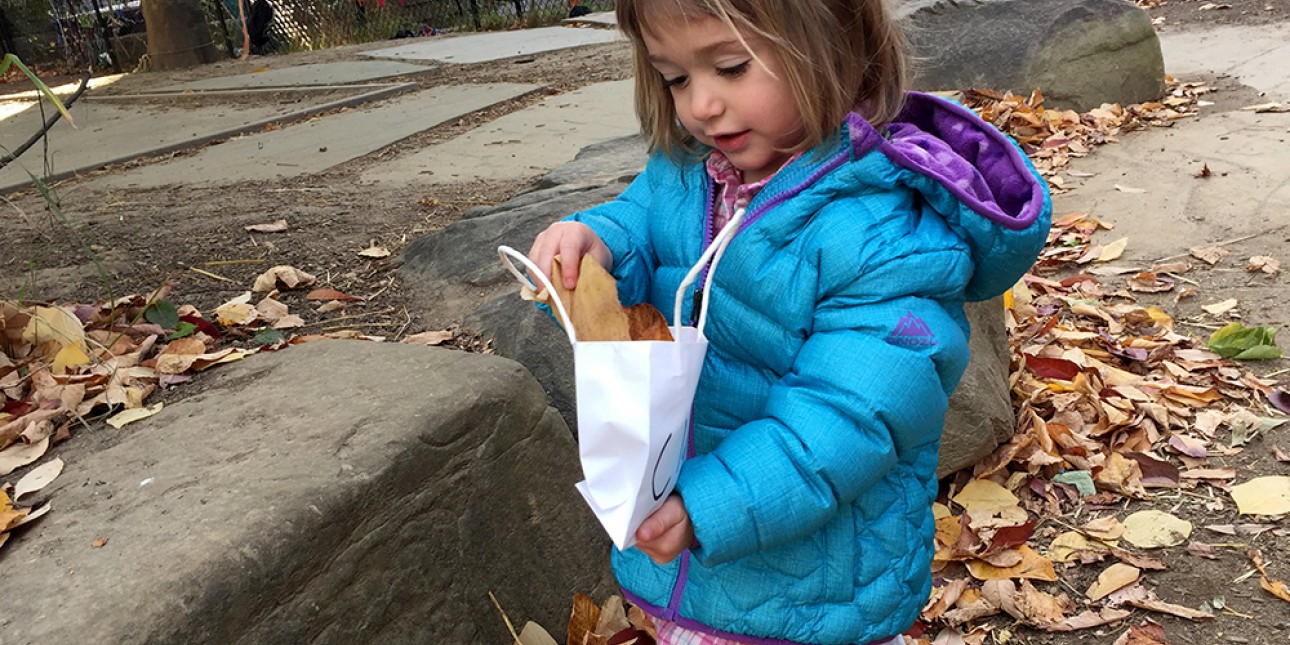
<point>110,34</point>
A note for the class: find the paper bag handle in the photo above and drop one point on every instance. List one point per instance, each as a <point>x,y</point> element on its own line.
<point>713,253</point>
<point>504,251</point>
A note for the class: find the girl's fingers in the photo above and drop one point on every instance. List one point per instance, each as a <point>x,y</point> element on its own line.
<point>571,251</point>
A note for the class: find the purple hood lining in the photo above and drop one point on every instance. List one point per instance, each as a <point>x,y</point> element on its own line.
<point>980,166</point>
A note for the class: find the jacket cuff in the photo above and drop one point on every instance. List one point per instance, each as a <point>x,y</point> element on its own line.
<point>705,487</point>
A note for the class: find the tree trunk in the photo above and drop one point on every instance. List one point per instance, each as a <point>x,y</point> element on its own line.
<point>177,34</point>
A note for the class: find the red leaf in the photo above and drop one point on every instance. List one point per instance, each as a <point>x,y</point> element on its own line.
<point>631,636</point>
<point>1010,536</point>
<point>1058,368</point>
<point>204,326</point>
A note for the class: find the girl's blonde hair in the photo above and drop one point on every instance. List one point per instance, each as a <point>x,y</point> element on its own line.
<point>838,56</point>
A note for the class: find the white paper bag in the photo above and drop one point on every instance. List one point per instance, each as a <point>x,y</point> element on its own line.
<point>634,402</point>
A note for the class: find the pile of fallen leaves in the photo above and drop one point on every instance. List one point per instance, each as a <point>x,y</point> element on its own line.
<point>61,365</point>
<point>1051,137</point>
<point>1114,409</point>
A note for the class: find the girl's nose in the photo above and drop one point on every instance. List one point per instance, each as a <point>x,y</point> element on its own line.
<point>705,103</point>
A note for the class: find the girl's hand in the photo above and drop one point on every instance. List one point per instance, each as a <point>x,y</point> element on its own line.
<point>570,241</point>
<point>666,533</point>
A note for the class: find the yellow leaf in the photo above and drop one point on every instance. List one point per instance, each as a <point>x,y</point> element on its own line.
<point>1068,546</point>
<point>1114,578</point>
<point>1154,529</point>
<point>983,495</point>
<point>1263,496</point>
<point>51,328</point>
<point>1113,251</point>
<point>1032,566</point>
<point>124,417</point>
<point>71,355</point>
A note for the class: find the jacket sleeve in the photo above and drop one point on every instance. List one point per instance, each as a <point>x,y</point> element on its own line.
<point>869,386</point>
<point>623,225</point>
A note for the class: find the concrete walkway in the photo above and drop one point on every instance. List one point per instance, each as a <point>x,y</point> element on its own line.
<point>106,134</point>
<point>321,144</point>
<point>334,73</point>
<point>526,143</point>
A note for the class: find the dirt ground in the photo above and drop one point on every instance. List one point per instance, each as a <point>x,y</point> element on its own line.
<point>1173,15</point>
<point>194,239</point>
<point>145,238</point>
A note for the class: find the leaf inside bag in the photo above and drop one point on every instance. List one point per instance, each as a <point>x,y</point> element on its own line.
<point>595,310</point>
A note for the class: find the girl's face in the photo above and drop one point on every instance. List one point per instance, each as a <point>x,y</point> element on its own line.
<point>724,97</point>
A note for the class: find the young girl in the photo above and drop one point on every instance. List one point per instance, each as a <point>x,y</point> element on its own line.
<point>836,326</point>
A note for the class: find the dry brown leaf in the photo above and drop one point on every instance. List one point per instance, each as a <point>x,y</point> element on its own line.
<point>1263,263</point>
<point>329,294</point>
<point>613,617</point>
<point>1113,578</point>
<point>429,338</point>
<point>985,496</point>
<point>1032,566</point>
<point>642,621</point>
<point>1222,307</point>
<point>99,542</point>
<point>593,303</point>
<point>1269,584</point>
<point>646,323</point>
<point>271,310</point>
<point>375,252</point>
<point>38,478</point>
<point>18,455</point>
<point>283,278</point>
<point>1148,633</point>
<point>583,619</point>
<point>1138,596</point>
<point>1090,618</point>
<point>1210,255</point>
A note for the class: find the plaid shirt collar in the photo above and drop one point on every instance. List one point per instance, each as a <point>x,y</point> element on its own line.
<point>731,193</point>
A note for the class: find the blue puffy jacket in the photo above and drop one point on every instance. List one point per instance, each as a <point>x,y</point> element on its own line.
<point>836,335</point>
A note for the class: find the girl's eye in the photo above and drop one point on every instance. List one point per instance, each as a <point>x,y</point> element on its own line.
<point>733,71</point>
<point>675,81</point>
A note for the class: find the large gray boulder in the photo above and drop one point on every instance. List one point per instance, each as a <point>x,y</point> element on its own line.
<point>454,276</point>
<point>334,492</point>
<point>1080,53</point>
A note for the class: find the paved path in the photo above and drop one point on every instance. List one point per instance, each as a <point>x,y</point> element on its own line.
<point>110,133</point>
<point>334,73</point>
<point>320,144</point>
<point>1258,56</point>
<point>522,144</point>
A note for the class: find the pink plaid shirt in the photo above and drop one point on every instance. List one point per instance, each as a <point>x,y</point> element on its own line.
<point>732,193</point>
<point>670,633</point>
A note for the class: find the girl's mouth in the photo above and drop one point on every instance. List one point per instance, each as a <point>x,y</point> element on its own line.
<point>731,142</point>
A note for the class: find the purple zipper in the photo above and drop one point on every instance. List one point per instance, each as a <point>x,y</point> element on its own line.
<point>774,201</point>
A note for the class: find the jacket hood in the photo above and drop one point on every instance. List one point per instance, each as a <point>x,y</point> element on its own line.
<point>976,178</point>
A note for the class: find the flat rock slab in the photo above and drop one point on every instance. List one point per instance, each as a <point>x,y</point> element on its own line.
<point>335,73</point>
<point>1257,55</point>
<point>114,133</point>
<point>478,48</point>
<point>317,145</point>
<point>334,492</point>
<point>526,143</point>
